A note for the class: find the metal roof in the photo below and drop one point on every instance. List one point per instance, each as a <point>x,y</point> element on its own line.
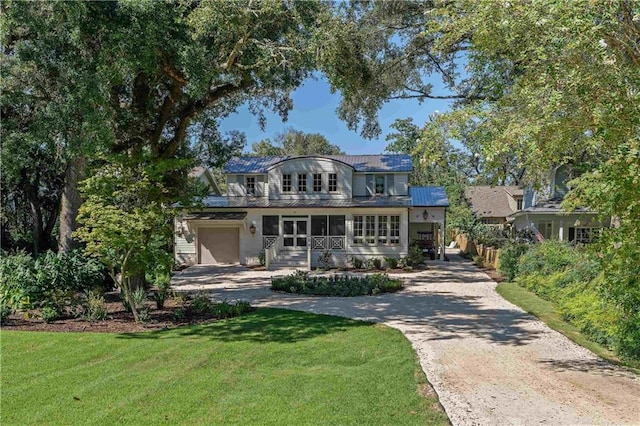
<point>360,163</point>
<point>263,202</point>
<point>422,196</point>
<point>428,196</point>
<point>217,216</point>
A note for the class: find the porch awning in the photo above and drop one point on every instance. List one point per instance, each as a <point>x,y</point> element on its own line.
<point>216,216</point>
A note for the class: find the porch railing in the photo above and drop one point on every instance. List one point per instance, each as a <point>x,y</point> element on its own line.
<point>328,243</point>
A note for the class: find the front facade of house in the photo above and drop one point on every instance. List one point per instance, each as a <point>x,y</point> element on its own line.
<point>543,213</point>
<point>303,210</point>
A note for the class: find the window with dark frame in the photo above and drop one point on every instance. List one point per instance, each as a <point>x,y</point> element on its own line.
<point>337,225</point>
<point>286,182</point>
<point>333,182</point>
<point>250,185</point>
<point>317,182</point>
<point>302,182</point>
<point>270,225</point>
<point>519,204</point>
<point>379,184</point>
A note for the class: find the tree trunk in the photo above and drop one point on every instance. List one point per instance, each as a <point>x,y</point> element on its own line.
<point>36,217</point>
<point>70,203</point>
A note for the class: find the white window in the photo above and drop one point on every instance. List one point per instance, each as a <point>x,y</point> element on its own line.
<point>370,230</point>
<point>286,182</point>
<point>376,230</point>
<point>317,182</point>
<point>358,230</point>
<point>333,182</point>
<point>250,184</point>
<point>383,230</point>
<point>302,182</point>
<point>394,230</point>
<point>379,184</point>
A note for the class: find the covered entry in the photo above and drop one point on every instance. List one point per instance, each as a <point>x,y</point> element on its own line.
<point>218,245</point>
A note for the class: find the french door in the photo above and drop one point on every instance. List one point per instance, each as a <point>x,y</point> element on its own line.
<point>294,233</point>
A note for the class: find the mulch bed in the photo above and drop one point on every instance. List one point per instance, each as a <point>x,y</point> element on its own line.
<point>118,321</point>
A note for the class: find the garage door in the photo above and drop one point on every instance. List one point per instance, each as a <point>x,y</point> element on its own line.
<point>218,245</point>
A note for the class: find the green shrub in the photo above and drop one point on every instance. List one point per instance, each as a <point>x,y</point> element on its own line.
<point>374,263</point>
<point>94,308</point>
<point>357,262</point>
<point>201,304</point>
<point>414,258</point>
<point>392,262</point>
<point>50,280</point>
<point>509,256</point>
<point>478,260</point>
<point>547,258</point>
<point>49,314</point>
<point>336,285</point>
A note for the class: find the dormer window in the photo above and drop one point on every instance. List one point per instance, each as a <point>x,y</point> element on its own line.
<point>317,182</point>
<point>379,184</point>
<point>286,182</point>
<point>519,204</point>
<point>302,182</point>
<point>333,182</point>
<point>250,185</point>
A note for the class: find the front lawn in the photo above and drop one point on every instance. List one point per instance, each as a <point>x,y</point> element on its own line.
<point>269,367</point>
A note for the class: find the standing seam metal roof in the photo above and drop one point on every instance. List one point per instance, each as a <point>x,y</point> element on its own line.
<point>422,196</point>
<point>360,163</point>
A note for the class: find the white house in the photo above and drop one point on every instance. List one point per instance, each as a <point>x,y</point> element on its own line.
<point>293,209</point>
<point>543,212</point>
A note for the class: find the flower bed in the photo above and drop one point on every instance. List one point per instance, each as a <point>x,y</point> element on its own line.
<point>301,282</point>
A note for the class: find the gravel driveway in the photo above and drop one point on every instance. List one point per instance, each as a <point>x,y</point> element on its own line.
<point>490,362</point>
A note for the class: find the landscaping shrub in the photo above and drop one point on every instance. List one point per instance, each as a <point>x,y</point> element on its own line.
<point>547,258</point>
<point>374,263</point>
<point>94,308</point>
<point>392,262</point>
<point>336,285</point>
<point>509,256</point>
<point>571,278</point>
<point>357,262</point>
<point>414,258</point>
<point>50,280</point>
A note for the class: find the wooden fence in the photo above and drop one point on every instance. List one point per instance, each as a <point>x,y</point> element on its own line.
<point>491,255</point>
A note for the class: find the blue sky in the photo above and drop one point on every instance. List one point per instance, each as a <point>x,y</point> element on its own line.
<point>314,111</point>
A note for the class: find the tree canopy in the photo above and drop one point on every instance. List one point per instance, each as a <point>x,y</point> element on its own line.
<point>296,142</point>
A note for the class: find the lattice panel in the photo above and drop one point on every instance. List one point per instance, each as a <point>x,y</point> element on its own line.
<point>336,243</point>
<point>268,242</point>
<point>318,243</point>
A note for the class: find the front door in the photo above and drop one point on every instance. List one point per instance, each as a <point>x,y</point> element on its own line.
<point>295,233</point>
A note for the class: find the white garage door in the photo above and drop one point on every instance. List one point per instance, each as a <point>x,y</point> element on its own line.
<point>218,245</point>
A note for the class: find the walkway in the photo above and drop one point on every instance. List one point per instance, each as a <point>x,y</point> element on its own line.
<point>490,362</point>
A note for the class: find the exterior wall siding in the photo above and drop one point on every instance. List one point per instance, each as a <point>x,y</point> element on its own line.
<point>309,166</point>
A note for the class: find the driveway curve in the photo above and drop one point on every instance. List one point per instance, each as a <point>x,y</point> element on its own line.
<point>490,362</point>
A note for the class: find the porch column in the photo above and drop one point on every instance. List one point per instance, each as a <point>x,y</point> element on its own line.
<point>561,231</point>
<point>442,242</point>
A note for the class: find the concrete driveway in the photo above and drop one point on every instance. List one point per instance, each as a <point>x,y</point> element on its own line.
<point>490,362</point>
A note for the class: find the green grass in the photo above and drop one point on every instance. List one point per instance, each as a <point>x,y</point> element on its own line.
<point>550,314</point>
<point>268,367</point>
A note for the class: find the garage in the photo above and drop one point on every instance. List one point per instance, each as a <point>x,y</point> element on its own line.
<point>218,245</point>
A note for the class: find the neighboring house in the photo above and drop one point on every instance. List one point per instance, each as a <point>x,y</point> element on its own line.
<point>204,175</point>
<point>294,209</point>
<point>543,214</point>
<point>493,204</point>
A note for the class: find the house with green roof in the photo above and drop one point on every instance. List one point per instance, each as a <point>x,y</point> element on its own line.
<point>301,211</point>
